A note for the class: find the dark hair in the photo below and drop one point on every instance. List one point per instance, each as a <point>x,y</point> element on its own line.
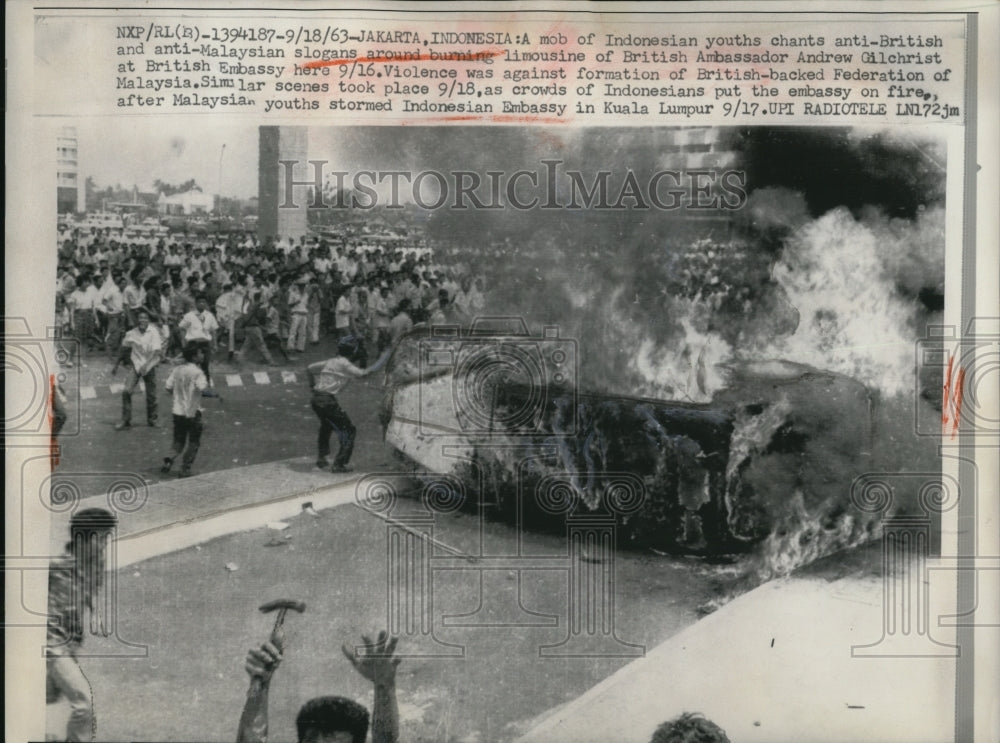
<point>93,519</point>
<point>689,727</point>
<point>348,347</point>
<point>328,715</point>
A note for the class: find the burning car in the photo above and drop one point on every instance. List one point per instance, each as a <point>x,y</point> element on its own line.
<point>775,449</point>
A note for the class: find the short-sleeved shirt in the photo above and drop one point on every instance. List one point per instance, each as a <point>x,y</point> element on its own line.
<point>331,375</point>
<point>186,382</point>
<point>342,313</point>
<point>144,345</point>
<point>199,326</point>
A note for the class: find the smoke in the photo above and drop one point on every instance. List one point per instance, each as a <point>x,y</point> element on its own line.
<point>843,278</point>
<point>836,267</point>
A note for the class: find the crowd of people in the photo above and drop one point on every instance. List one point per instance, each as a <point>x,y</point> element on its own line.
<point>240,295</point>
<point>150,301</point>
<point>146,302</point>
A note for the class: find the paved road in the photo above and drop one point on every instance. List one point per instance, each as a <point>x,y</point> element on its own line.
<point>248,424</point>
<point>198,619</point>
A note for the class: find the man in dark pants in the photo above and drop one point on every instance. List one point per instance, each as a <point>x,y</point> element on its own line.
<point>143,346</point>
<point>326,379</point>
<point>186,382</point>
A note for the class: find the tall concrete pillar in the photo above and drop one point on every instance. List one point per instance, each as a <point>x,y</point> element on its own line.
<point>277,218</point>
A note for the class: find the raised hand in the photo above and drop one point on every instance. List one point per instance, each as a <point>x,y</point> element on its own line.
<point>376,663</point>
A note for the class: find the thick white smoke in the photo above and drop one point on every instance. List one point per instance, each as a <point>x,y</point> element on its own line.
<point>848,280</point>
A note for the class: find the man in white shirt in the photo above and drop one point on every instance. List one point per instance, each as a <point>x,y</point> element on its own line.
<point>83,308</point>
<point>381,315</point>
<point>144,346</point>
<point>298,305</point>
<point>113,307</point>
<point>342,314</point>
<point>186,382</point>
<point>133,297</point>
<point>326,379</point>
<point>229,309</point>
<point>198,329</point>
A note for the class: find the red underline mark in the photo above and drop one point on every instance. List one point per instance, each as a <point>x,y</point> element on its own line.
<point>315,64</point>
<point>951,405</point>
<point>498,118</point>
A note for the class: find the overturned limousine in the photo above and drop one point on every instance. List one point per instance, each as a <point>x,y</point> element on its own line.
<point>776,449</point>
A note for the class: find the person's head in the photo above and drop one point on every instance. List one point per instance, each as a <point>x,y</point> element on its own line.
<point>192,354</point>
<point>201,302</point>
<point>689,727</point>
<point>142,320</point>
<point>332,720</point>
<point>88,533</point>
<point>347,347</point>
<point>442,298</point>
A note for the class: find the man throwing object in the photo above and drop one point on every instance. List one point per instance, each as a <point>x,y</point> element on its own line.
<point>326,380</point>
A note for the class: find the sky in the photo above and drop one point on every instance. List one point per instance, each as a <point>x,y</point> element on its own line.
<point>143,149</point>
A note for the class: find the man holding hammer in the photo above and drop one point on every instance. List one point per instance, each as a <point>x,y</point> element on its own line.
<point>328,719</point>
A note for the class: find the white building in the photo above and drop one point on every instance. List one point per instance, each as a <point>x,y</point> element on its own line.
<point>186,203</point>
<point>69,190</point>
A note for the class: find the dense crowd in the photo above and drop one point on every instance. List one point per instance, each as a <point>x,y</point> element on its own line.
<point>268,296</point>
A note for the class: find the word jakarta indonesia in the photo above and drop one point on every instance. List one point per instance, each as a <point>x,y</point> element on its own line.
<point>547,188</point>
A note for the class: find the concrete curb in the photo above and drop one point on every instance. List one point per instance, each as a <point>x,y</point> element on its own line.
<point>776,664</point>
<point>174,537</point>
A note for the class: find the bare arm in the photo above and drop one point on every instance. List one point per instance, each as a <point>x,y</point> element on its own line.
<point>378,665</point>
<point>260,664</point>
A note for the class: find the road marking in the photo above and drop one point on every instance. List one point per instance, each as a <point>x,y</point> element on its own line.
<point>234,380</point>
<point>261,378</point>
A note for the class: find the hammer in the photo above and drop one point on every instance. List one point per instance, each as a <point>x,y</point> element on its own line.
<point>257,695</point>
<point>282,606</point>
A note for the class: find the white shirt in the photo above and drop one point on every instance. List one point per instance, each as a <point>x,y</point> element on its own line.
<point>229,306</point>
<point>186,382</point>
<point>111,298</point>
<point>199,326</point>
<point>144,347</point>
<point>134,296</point>
<point>331,375</point>
<point>298,300</point>
<point>343,312</point>
<point>380,310</point>
<point>84,299</point>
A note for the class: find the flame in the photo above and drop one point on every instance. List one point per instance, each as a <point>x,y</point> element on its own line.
<point>852,318</point>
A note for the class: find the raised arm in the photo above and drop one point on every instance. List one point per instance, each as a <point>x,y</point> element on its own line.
<point>378,665</point>
<point>260,664</point>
